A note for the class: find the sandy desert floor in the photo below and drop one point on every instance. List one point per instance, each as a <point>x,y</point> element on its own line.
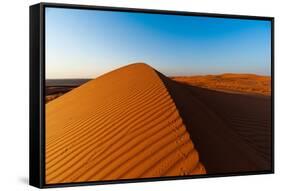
<point>57,87</point>
<point>122,125</point>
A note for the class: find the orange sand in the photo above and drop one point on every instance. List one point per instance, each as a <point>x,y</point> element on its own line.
<point>122,125</point>
<point>243,83</point>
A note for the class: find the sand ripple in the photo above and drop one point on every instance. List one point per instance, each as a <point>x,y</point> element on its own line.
<point>122,125</point>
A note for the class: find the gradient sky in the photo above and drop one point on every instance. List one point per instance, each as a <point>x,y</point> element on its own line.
<point>88,43</point>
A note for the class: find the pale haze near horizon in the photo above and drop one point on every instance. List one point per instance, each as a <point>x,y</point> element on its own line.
<point>89,43</point>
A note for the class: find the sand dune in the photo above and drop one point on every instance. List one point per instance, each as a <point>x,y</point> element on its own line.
<point>122,125</point>
<point>241,83</point>
<point>232,132</point>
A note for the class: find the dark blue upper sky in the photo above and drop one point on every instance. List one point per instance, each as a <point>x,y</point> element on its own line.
<point>88,43</point>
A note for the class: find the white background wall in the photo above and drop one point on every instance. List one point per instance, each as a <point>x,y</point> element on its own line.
<point>14,71</point>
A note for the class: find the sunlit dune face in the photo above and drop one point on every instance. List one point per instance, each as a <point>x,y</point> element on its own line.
<point>122,125</point>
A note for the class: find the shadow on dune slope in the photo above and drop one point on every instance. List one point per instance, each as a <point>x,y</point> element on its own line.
<point>231,131</point>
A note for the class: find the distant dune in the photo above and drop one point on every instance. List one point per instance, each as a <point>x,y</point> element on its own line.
<point>242,83</point>
<point>122,125</point>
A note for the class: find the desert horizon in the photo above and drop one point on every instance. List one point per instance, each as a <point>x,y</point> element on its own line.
<point>57,87</point>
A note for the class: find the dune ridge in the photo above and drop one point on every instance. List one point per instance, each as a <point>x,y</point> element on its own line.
<point>122,125</point>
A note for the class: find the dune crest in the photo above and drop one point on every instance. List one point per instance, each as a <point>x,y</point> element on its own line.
<point>122,125</point>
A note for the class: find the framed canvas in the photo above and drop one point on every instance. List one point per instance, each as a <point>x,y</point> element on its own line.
<point>128,95</point>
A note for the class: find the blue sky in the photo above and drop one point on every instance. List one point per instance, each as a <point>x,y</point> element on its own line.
<point>89,43</point>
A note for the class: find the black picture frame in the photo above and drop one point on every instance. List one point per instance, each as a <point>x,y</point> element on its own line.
<point>37,92</point>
